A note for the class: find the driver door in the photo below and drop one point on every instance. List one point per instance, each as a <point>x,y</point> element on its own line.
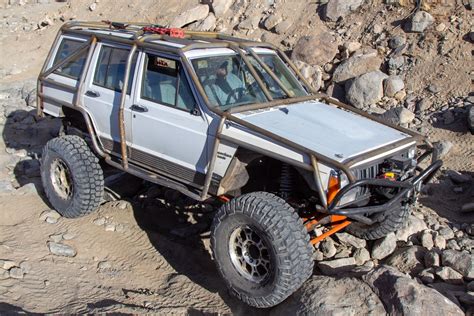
<point>169,132</point>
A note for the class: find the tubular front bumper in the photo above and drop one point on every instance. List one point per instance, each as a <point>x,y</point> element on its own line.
<point>407,188</point>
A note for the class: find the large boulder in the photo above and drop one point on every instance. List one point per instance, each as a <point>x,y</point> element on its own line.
<point>408,259</point>
<point>398,115</point>
<point>336,9</point>
<point>316,50</point>
<point>220,7</point>
<point>402,295</point>
<point>323,295</point>
<point>413,226</point>
<point>197,13</point>
<point>357,65</point>
<point>459,261</point>
<point>366,89</point>
<point>384,247</point>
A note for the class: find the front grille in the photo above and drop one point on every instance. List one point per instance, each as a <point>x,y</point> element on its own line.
<point>370,172</point>
<point>367,173</point>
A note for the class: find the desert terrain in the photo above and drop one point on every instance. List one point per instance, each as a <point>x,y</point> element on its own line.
<point>147,249</point>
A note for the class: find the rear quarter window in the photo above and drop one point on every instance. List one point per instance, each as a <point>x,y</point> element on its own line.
<point>73,68</point>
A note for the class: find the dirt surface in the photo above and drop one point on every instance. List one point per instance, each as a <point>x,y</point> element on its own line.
<point>150,251</point>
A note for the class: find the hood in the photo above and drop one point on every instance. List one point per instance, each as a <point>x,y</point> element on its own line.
<point>323,128</point>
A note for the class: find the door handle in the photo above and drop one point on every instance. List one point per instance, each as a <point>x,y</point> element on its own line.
<point>139,108</point>
<point>93,94</point>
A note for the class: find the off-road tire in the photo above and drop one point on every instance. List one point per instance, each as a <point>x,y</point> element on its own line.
<point>287,240</point>
<point>85,172</point>
<point>390,221</point>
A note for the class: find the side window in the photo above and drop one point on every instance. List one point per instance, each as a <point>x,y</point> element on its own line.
<point>110,69</point>
<point>164,82</point>
<point>73,68</point>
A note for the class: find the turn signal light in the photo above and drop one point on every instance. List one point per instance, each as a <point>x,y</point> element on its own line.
<point>334,186</point>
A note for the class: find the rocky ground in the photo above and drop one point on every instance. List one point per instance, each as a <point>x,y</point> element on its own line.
<point>148,251</point>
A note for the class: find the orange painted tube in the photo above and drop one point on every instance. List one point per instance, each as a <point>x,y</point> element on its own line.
<point>333,230</point>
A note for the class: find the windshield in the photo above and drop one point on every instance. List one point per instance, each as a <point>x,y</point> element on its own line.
<point>228,82</point>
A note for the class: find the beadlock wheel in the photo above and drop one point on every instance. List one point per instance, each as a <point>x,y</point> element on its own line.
<point>249,254</point>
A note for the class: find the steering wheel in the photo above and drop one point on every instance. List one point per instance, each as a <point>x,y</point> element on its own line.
<point>236,93</point>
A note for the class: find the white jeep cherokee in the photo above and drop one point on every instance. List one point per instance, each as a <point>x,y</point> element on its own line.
<point>217,117</point>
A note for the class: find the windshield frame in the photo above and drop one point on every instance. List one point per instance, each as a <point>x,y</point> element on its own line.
<point>246,58</point>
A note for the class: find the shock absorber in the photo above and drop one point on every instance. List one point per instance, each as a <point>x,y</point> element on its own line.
<point>286,181</point>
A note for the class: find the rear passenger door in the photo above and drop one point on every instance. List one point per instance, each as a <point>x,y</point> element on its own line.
<point>103,93</point>
<point>169,131</point>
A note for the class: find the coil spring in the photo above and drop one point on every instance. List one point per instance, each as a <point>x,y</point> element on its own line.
<point>286,181</point>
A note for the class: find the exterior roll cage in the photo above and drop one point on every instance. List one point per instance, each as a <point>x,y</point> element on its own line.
<point>135,36</point>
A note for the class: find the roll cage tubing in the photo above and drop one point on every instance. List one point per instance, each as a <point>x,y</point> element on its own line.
<point>191,41</point>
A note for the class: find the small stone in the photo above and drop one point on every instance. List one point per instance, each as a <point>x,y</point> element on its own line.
<point>392,85</point>
<point>384,247</point>
<point>49,213</point>
<point>423,105</point>
<point>349,239</point>
<point>318,255</point>
<point>446,232</point>
<point>328,248</point>
<point>449,275</point>
<point>336,9</point>
<point>61,249</point>
<point>16,273</point>
<point>440,242</point>
<point>99,221</point>
<point>453,245</point>
<point>110,227</point>
<point>361,256</point>
<point>51,220</point>
<point>420,21</point>
<point>104,265</point>
<point>396,41</point>
<point>93,6</point>
<point>443,148</point>
<point>7,264</point>
<point>427,239</point>
<point>426,276</point>
<point>432,259</point>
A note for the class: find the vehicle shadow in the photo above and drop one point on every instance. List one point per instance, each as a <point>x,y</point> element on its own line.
<point>446,198</point>
<point>178,229</point>
<point>24,135</point>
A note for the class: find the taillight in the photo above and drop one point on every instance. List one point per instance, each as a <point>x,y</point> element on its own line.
<point>334,185</point>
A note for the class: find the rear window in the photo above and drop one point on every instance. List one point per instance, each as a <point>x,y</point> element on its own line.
<point>73,68</point>
<point>110,70</point>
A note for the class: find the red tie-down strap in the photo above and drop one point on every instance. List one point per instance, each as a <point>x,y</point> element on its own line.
<point>164,31</point>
